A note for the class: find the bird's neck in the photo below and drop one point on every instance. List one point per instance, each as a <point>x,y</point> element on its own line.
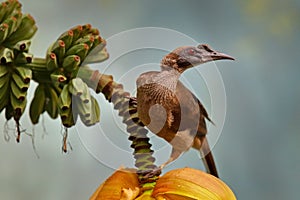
<point>167,78</point>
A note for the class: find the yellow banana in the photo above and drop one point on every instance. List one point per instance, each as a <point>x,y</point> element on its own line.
<point>37,104</point>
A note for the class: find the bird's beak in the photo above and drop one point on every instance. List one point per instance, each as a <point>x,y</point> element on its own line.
<point>212,55</point>
<point>220,56</point>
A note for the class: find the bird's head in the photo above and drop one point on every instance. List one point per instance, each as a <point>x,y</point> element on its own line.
<point>186,57</point>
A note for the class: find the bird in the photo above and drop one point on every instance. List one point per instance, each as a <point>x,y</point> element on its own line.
<point>170,110</point>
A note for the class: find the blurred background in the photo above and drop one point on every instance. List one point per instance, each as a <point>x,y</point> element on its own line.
<point>258,151</point>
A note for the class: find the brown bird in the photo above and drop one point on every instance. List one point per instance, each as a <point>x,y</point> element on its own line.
<point>173,112</point>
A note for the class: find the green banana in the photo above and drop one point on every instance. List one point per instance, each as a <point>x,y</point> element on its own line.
<point>22,45</point>
<point>69,118</point>
<point>19,82</point>
<point>25,31</point>
<point>65,99</point>
<point>6,55</point>
<point>51,62</point>
<point>3,32</point>
<point>57,77</point>
<point>51,104</point>
<point>87,39</point>
<point>86,29</point>
<point>3,70</point>
<point>80,49</point>
<point>59,49</point>
<point>37,104</point>
<point>23,58</point>
<point>12,25</point>
<point>9,111</point>
<point>4,81</point>
<point>4,87</point>
<point>98,41</point>
<point>18,105</point>
<point>24,73</point>
<point>77,30</point>
<point>67,37</point>
<point>17,92</point>
<point>3,9</point>
<point>71,63</point>
<point>8,8</point>
<point>3,103</point>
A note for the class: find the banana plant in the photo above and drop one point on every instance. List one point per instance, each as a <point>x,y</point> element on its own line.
<point>59,92</point>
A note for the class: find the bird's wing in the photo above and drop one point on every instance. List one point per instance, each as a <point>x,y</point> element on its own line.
<point>198,114</point>
<point>191,105</point>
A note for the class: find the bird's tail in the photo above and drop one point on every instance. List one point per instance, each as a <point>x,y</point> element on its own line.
<point>208,158</point>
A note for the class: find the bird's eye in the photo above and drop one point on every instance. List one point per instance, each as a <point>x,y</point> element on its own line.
<point>191,51</point>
